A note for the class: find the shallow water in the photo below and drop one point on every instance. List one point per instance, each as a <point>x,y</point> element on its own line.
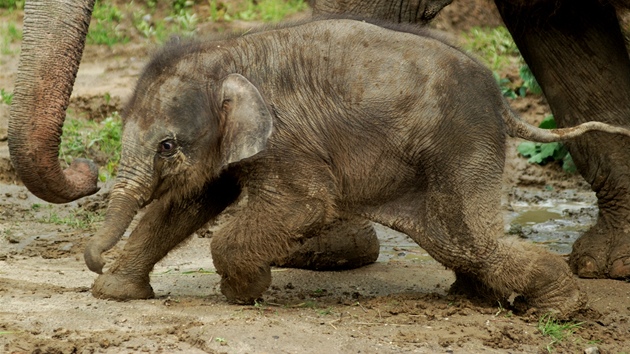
<point>552,219</point>
<point>554,222</point>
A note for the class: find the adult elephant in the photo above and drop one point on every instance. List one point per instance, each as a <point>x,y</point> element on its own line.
<point>576,51</point>
<point>54,35</point>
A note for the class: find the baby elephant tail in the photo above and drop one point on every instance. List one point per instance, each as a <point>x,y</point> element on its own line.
<point>517,128</point>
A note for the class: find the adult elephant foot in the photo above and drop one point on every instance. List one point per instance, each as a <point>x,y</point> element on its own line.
<point>602,252</point>
<point>345,244</point>
<point>119,287</point>
<point>620,258</point>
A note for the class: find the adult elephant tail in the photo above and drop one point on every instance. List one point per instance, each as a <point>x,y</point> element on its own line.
<point>53,42</point>
<point>518,128</point>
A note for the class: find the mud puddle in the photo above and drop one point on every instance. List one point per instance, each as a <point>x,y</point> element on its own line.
<point>555,222</point>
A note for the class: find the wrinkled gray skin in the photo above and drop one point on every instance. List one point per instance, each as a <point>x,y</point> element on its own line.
<point>577,52</point>
<point>315,135</point>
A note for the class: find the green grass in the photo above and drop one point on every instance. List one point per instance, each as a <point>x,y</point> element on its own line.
<point>325,312</point>
<point>179,5</point>
<point>6,97</point>
<point>105,25</point>
<point>183,23</point>
<point>12,4</point>
<point>250,10</point>
<point>10,34</point>
<point>78,219</point>
<point>99,141</point>
<point>496,48</point>
<point>556,330</point>
<point>158,22</point>
<point>270,10</point>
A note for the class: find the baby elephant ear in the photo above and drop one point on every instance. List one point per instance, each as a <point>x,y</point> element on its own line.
<point>246,120</point>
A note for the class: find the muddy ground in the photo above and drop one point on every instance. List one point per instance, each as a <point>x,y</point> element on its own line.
<point>397,305</point>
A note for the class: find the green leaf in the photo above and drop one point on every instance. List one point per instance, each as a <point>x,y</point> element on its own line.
<point>529,81</point>
<point>548,150</point>
<point>568,165</point>
<point>542,153</point>
<point>548,123</point>
<point>536,158</point>
<point>527,148</point>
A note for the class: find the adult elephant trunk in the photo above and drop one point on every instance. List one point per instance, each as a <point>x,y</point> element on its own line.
<point>54,37</point>
<point>134,189</point>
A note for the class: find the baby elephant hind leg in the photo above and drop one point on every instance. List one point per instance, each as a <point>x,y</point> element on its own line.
<point>344,244</point>
<point>461,230</point>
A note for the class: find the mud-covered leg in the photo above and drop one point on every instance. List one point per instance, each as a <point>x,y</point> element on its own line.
<point>165,225</point>
<point>344,244</point>
<point>466,240</point>
<point>458,222</point>
<point>258,235</point>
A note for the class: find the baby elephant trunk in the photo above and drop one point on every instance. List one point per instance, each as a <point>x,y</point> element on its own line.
<point>123,206</point>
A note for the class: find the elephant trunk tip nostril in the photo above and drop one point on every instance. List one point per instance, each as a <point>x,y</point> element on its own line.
<point>84,173</point>
<point>93,259</point>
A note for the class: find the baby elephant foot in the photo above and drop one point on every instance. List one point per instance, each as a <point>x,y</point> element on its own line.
<point>470,286</point>
<point>246,289</point>
<point>120,287</point>
<point>554,288</point>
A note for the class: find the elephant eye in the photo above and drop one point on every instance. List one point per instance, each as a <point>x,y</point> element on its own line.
<point>168,147</point>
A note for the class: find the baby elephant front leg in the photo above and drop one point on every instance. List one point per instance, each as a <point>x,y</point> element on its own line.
<point>160,230</point>
<point>245,273</point>
<point>245,247</point>
<point>245,287</point>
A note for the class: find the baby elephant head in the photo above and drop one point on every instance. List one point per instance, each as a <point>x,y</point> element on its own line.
<point>179,134</point>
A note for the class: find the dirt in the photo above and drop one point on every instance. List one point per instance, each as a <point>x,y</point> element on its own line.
<point>399,304</point>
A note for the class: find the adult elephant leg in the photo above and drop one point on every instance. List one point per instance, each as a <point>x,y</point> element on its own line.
<point>576,51</point>
<point>344,244</point>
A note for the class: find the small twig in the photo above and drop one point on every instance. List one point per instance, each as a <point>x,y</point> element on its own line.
<point>333,321</point>
<point>362,308</point>
<point>381,324</point>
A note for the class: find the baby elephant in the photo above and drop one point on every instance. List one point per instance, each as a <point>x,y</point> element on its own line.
<point>319,122</point>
